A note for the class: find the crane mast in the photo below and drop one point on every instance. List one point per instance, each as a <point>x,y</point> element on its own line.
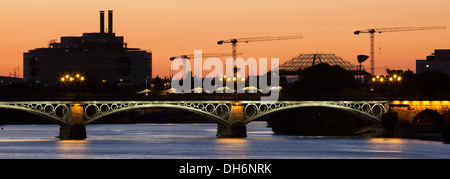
<point>392,29</point>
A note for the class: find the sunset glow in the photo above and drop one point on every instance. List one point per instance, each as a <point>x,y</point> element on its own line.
<point>176,27</point>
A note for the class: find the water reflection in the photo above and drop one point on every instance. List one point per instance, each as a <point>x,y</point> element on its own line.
<point>386,147</point>
<point>386,140</point>
<point>72,149</point>
<point>235,148</point>
<point>198,141</point>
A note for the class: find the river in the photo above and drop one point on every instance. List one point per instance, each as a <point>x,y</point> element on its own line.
<point>198,141</point>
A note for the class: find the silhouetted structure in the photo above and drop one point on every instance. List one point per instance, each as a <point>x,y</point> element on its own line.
<point>103,55</point>
<point>437,61</point>
<point>5,80</point>
<point>303,61</point>
<point>323,80</point>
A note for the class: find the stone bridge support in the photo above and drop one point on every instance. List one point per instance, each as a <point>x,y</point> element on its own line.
<point>237,128</point>
<point>407,110</point>
<point>75,129</point>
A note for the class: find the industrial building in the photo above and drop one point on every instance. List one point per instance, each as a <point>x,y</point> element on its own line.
<point>437,61</point>
<point>100,55</point>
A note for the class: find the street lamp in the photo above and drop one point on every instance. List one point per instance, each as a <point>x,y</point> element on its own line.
<point>382,78</point>
<point>73,78</point>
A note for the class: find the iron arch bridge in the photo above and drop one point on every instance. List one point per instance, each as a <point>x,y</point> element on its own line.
<point>55,111</point>
<point>225,113</point>
<point>372,109</point>
<point>217,111</point>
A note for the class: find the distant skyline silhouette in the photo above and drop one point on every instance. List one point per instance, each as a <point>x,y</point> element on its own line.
<point>179,27</point>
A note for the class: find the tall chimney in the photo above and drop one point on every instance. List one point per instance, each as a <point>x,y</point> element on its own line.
<point>110,21</point>
<point>102,22</point>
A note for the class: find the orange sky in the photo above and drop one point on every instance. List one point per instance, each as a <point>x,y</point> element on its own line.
<point>175,27</point>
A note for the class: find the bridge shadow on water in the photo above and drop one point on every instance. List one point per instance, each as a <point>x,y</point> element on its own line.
<point>320,121</point>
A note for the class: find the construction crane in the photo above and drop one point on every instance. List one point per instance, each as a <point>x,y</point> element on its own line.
<point>393,29</point>
<point>204,55</point>
<point>254,39</point>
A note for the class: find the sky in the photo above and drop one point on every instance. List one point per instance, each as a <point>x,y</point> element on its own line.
<point>175,27</point>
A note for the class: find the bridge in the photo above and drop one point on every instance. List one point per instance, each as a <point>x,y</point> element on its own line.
<point>231,116</point>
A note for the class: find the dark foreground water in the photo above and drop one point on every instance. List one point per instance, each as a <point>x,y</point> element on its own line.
<point>198,141</point>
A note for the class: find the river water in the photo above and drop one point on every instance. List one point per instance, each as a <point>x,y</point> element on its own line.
<point>198,141</point>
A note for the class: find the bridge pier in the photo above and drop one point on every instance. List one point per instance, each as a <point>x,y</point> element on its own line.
<point>76,129</point>
<point>237,128</point>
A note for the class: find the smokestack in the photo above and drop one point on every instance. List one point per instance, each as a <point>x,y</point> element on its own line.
<point>102,22</point>
<point>110,21</point>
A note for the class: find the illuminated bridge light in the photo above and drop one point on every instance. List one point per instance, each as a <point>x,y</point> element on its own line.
<point>396,102</point>
<point>422,103</point>
<point>436,103</point>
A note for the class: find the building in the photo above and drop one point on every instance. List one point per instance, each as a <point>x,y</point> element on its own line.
<point>437,61</point>
<point>299,63</point>
<point>303,61</point>
<point>7,80</point>
<point>101,55</point>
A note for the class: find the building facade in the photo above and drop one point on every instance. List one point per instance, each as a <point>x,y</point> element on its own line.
<point>437,61</point>
<point>103,56</point>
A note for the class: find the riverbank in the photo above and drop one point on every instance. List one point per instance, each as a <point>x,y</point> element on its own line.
<point>421,132</point>
<point>427,136</point>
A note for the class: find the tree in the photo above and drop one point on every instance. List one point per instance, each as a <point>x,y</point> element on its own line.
<point>323,79</point>
<point>430,83</point>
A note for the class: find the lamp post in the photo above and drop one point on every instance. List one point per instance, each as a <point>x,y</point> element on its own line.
<point>72,78</point>
<point>361,58</point>
<point>146,94</point>
<point>69,79</point>
<point>382,78</point>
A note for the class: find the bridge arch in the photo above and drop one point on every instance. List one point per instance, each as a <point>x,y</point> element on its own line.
<point>216,112</point>
<point>57,113</point>
<point>372,111</point>
<point>428,117</point>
